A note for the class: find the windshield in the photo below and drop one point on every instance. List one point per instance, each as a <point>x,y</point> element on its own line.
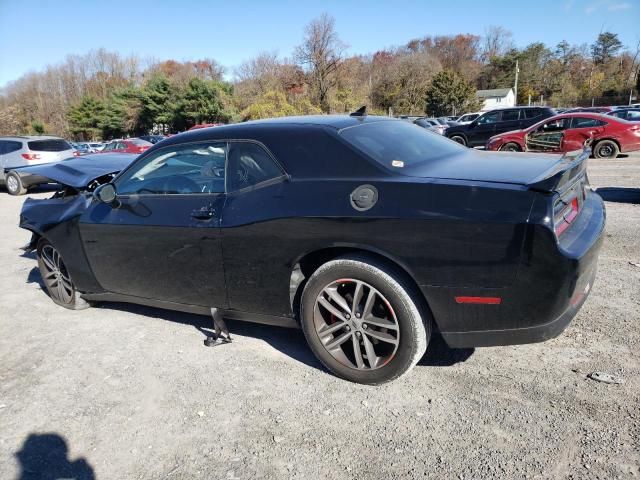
<point>397,144</point>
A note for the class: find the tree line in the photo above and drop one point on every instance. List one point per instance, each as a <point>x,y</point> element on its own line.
<point>102,95</point>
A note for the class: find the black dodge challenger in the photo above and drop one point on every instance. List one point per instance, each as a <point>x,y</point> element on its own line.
<point>367,232</point>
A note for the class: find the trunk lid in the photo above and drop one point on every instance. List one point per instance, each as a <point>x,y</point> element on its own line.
<point>539,171</point>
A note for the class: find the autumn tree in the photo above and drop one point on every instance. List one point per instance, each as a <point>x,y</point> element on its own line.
<point>320,54</point>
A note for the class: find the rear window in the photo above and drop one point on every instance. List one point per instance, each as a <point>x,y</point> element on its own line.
<point>51,145</point>
<point>141,143</point>
<point>399,144</point>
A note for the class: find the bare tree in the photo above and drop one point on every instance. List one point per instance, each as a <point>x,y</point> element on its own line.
<point>320,54</point>
<point>496,42</point>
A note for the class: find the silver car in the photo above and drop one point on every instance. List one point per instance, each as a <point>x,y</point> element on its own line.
<point>20,151</point>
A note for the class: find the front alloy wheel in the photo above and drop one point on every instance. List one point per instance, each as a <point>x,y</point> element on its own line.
<point>57,279</point>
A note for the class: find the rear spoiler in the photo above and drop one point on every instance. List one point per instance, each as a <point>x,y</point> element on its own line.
<point>571,165</point>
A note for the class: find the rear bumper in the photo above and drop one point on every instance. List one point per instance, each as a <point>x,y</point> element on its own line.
<point>534,334</point>
<point>545,299</point>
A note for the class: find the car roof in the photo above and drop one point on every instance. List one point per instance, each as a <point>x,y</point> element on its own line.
<point>244,129</point>
<point>30,137</point>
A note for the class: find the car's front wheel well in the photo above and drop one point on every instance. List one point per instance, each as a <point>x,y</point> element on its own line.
<point>310,262</point>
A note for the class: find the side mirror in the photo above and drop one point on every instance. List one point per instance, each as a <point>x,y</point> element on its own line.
<point>106,193</point>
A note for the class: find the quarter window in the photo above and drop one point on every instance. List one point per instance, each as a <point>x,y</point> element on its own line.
<point>249,164</point>
<point>194,168</point>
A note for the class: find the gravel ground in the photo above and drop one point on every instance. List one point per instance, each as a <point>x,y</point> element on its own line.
<point>124,391</point>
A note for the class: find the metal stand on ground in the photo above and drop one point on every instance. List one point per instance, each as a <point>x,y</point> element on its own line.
<point>221,332</point>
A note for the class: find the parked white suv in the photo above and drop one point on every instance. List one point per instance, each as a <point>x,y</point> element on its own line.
<point>20,151</point>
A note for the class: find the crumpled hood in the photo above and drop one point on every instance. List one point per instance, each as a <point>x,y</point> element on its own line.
<point>78,172</point>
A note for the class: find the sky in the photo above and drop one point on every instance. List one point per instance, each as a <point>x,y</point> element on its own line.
<point>36,33</point>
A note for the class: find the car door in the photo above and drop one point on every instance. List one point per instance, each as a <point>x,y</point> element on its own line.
<point>249,226</point>
<point>509,121</point>
<point>483,128</point>
<point>161,237</point>
<point>581,129</point>
<point>548,136</point>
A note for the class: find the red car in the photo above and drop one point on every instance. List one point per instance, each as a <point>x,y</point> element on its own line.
<point>131,145</point>
<point>569,131</point>
<point>205,125</point>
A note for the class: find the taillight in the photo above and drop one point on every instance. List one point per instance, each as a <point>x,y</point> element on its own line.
<point>564,213</point>
<point>31,156</point>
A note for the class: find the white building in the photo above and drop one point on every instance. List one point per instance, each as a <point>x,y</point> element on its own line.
<point>497,98</point>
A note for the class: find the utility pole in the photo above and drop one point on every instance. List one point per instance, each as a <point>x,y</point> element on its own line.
<point>516,86</point>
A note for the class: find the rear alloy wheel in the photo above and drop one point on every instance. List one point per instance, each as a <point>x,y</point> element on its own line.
<point>361,321</point>
<point>14,184</point>
<point>57,279</point>
<point>510,147</point>
<point>606,149</point>
<point>459,139</point>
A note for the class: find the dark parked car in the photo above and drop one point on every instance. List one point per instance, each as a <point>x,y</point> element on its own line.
<point>590,110</point>
<point>630,114</point>
<point>368,232</point>
<point>152,138</point>
<point>494,122</point>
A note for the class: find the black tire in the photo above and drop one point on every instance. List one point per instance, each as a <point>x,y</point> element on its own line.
<point>411,332</point>
<point>56,278</point>
<point>14,184</point>
<point>606,149</point>
<point>459,139</point>
<point>510,147</point>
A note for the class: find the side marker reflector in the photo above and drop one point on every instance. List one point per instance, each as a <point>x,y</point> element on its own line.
<point>480,300</point>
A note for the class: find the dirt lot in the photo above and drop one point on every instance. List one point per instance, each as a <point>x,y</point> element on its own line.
<point>133,393</point>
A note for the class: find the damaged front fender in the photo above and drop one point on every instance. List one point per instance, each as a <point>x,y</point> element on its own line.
<point>57,220</point>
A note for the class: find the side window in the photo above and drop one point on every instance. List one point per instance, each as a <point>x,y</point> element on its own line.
<point>3,146</point>
<point>108,147</point>
<point>491,117</point>
<point>510,115</point>
<point>249,164</point>
<point>193,168</point>
<point>555,125</point>
<point>582,122</point>
<point>531,113</point>
<point>621,114</point>
<point>633,115</point>
<point>11,146</point>
<point>121,146</point>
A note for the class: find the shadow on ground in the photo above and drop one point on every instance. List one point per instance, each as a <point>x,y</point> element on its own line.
<point>289,341</point>
<point>44,456</point>
<point>620,194</point>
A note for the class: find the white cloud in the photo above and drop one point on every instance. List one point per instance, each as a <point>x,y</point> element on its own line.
<point>610,5</point>
<point>619,6</point>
